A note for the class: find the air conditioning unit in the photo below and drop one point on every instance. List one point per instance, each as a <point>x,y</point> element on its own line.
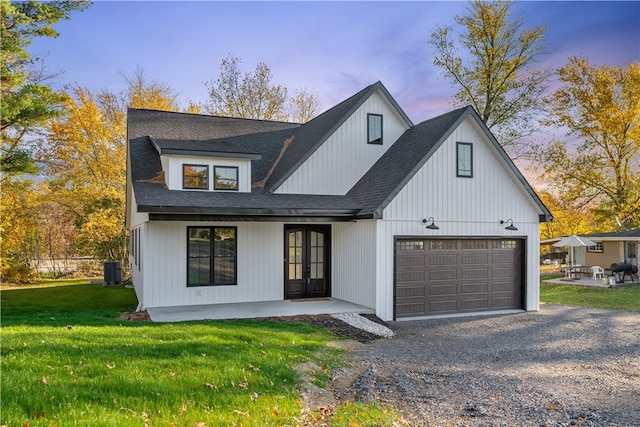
<point>112,273</point>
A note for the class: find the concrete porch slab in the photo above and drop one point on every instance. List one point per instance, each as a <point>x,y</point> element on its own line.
<point>589,282</point>
<point>248,310</point>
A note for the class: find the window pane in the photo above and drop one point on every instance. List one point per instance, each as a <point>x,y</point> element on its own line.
<point>374,130</point>
<point>211,256</point>
<point>224,264</point>
<point>442,245</point>
<point>224,271</point>
<point>199,256</point>
<point>504,244</point>
<point>464,159</point>
<point>475,244</point>
<point>413,245</point>
<point>226,178</point>
<point>195,176</point>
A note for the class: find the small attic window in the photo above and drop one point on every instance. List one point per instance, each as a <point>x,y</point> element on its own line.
<point>374,129</point>
<point>195,177</point>
<point>464,159</point>
<point>226,178</point>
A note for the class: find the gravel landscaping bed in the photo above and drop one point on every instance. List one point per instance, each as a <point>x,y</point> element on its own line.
<point>562,366</point>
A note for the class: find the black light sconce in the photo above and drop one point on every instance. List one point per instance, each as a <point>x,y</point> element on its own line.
<point>509,227</point>
<point>431,226</point>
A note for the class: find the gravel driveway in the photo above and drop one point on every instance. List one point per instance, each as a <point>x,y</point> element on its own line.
<point>562,366</point>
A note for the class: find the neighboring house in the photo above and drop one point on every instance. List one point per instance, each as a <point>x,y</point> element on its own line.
<point>613,247</point>
<point>226,210</point>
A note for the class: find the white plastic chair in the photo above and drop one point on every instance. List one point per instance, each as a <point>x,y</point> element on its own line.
<point>597,271</point>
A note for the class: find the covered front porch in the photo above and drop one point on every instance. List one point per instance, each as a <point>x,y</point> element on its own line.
<point>247,310</point>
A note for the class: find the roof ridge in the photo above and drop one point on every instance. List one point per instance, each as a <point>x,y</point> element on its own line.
<point>185,113</point>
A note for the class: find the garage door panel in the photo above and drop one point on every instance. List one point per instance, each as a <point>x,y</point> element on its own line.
<point>479,273</point>
<point>504,258</point>
<point>439,290</point>
<point>498,286</point>
<point>411,260</point>
<point>503,303</point>
<point>435,275</point>
<point>442,307</point>
<point>448,276</point>
<point>410,276</point>
<point>474,259</point>
<point>442,259</point>
<point>475,304</point>
<point>410,310</point>
<point>507,272</point>
<point>410,291</point>
<point>474,288</point>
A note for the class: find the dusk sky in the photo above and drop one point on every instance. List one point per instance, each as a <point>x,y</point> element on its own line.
<point>334,49</point>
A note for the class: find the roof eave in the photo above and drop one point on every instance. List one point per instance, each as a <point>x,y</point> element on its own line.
<point>257,211</point>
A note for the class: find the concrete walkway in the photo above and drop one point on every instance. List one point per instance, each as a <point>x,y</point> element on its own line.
<point>255,309</point>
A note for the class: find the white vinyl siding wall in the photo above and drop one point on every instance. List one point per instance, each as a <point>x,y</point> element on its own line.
<point>172,166</point>
<point>461,207</point>
<point>345,156</point>
<point>260,268</point>
<point>354,262</point>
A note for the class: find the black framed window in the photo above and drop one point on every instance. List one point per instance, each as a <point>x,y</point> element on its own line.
<point>195,177</point>
<point>226,178</point>
<point>374,129</point>
<point>211,256</point>
<point>464,159</point>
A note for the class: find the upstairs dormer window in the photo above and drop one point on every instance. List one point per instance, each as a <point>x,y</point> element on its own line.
<point>195,177</point>
<point>464,159</point>
<point>226,178</point>
<point>374,129</point>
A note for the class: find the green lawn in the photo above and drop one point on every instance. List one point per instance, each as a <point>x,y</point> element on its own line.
<point>67,360</point>
<point>618,298</point>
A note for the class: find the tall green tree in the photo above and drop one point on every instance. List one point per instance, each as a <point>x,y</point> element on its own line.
<point>26,102</point>
<point>598,164</point>
<point>493,66</point>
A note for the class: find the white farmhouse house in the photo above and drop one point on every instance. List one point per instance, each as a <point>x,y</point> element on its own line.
<point>358,205</point>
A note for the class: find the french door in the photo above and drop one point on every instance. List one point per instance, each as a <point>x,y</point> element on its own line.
<point>307,261</point>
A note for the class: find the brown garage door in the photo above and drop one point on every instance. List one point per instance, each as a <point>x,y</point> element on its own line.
<point>448,276</point>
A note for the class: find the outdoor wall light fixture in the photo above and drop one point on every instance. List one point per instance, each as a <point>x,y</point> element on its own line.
<point>510,227</point>
<point>431,226</point>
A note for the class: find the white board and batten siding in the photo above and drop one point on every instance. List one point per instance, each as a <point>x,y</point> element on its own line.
<point>345,156</point>
<point>260,264</point>
<point>354,262</point>
<point>461,207</point>
<point>137,225</point>
<point>172,167</point>
<point>260,267</point>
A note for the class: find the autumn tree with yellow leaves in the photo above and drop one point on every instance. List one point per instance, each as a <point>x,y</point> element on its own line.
<point>597,165</point>
<point>84,158</point>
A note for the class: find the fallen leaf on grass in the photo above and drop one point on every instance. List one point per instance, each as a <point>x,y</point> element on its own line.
<point>183,409</point>
<point>110,366</point>
<point>45,380</point>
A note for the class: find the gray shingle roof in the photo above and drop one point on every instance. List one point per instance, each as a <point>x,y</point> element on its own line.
<point>314,133</point>
<point>276,150</point>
